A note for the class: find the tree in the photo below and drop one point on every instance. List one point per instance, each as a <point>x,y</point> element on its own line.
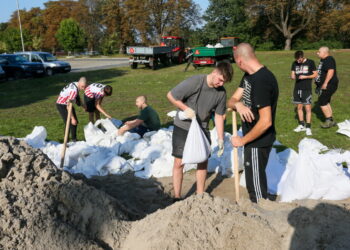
<point>53,14</point>
<point>226,18</point>
<point>70,36</point>
<point>289,16</point>
<point>11,39</point>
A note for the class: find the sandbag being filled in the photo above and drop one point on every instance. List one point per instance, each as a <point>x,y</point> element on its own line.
<point>197,147</point>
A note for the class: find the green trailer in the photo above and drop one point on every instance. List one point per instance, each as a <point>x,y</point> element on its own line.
<point>209,56</point>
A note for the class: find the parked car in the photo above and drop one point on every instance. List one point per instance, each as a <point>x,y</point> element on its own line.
<point>18,66</point>
<point>51,64</point>
<point>2,74</point>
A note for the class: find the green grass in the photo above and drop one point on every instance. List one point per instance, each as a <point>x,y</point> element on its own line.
<point>31,102</point>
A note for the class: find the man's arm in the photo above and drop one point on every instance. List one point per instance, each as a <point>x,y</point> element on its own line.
<point>219,124</point>
<point>260,127</point>
<point>177,103</point>
<point>235,104</point>
<point>99,108</point>
<point>330,74</point>
<point>129,125</point>
<point>292,75</point>
<point>314,74</point>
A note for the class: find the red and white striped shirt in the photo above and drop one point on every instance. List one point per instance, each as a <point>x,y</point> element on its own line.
<point>69,92</point>
<point>95,90</point>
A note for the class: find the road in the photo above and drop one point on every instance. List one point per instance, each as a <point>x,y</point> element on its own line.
<point>88,64</point>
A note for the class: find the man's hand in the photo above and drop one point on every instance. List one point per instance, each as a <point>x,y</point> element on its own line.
<point>302,77</point>
<point>324,86</point>
<point>189,113</point>
<point>221,148</point>
<point>245,112</point>
<point>237,141</point>
<point>108,116</point>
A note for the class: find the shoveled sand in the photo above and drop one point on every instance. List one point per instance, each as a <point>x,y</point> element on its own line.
<point>42,207</point>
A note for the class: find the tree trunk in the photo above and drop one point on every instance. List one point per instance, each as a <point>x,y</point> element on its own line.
<point>288,43</point>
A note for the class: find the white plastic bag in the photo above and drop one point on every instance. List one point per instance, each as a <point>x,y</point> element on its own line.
<point>197,147</point>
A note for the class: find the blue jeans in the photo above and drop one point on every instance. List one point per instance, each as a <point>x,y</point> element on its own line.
<point>141,130</point>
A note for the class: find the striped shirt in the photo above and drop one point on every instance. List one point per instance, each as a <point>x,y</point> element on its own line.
<point>69,92</point>
<point>95,90</point>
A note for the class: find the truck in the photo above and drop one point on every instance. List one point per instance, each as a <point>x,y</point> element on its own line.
<point>170,50</point>
<point>211,55</point>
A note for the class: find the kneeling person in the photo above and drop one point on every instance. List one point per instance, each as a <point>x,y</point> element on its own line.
<point>93,97</point>
<point>148,119</point>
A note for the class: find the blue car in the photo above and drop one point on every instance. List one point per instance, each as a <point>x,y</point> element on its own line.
<point>17,66</point>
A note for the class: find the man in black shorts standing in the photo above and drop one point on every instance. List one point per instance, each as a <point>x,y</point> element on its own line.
<point>327,81</point>
<point>303,71</point>
<point>256,101</point>
<point>198,96</point>
<point>93,96</point>
<point>70,93</point>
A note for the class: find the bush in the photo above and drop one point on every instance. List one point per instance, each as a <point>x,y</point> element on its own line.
<point>306,45</point>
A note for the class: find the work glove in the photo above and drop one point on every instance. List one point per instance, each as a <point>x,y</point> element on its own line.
<point>189,113</point>
<point>221,148</point>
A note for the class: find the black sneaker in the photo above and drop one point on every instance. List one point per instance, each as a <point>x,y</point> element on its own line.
<point>177,199</point>
<point>328,124</point>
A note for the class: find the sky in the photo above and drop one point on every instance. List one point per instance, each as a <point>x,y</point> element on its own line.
<point>7,7</point>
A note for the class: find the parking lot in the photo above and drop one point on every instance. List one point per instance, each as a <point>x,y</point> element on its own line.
<point>88,64</point>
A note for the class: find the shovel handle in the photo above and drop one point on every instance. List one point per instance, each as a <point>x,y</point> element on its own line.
<point>235,154</point>
<point>66,133</point>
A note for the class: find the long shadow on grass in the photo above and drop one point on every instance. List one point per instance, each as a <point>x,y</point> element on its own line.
<point>28,91</point>
<point>318,112</point>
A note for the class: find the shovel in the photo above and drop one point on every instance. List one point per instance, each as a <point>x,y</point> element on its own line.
<point>66,133</point>
<point>235,154</point>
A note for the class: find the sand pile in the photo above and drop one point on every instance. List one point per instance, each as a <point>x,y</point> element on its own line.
<point>204,222</point>
<point>42,207</point>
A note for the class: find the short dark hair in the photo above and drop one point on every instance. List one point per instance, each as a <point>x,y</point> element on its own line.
<point>108,90</point>
<point>225,68</point>
<point>298,54</point>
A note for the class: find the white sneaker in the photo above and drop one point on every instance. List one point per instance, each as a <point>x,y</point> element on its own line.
<point>308,131</point>
<point>300,128</point>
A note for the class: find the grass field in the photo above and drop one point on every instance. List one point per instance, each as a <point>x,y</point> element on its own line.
<point>31,102</point>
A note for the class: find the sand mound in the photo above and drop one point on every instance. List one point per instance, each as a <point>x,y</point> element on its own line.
<point>204,222</point>
<point>42,207</point>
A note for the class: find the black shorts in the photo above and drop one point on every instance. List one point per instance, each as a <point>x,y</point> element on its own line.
<point>326,95</point>
<point>302,96</point>
<point>62,109</point>
<point>179,139</point>
<point>90,104</point>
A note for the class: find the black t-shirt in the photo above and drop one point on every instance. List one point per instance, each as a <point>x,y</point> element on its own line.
<point>306,68</point>
<point>325,65</point>
<point>260,90</point>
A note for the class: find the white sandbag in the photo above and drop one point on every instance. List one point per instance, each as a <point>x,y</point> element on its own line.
<point>37,138</point>
<point>172,114</point>
<point>107,125</point>
<point>344,128</point>
<point>197,147</point>
<point>218,45</point>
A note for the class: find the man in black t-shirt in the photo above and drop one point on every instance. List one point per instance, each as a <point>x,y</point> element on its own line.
<point>256,101</point>
<point>303,71</point>
<point>327,81</point>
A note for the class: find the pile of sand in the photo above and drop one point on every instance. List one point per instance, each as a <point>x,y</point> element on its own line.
<point>42,207</point>
<point>204,222</point>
